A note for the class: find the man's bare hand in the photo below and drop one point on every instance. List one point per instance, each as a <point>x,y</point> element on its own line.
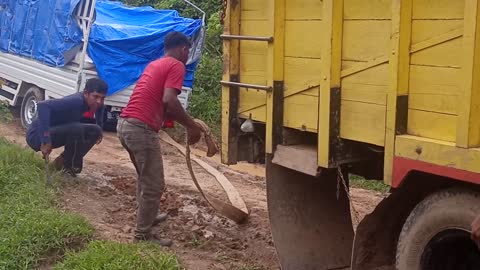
<point>46,149</point>
<point>476,230</point>
<point>194,132</point>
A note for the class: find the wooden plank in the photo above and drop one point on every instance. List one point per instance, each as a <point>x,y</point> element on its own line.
<point>303,9</point>
<point>361,66</point>
<point>254,10</point>
<point>363,122</point>
<point>253,47</point>
<point>330,15</point>
<point>301,39</point>
<point>435,80</point>
<point>379,98</point>
<point>365,39</point>
<point>231,56</point>
<point>436,40</point>
<point>302,158</point>
<point>399,72</point>
<point>337,45</point>
<point>255,28</point>
<point>257,114</point>
<point>253,65</point>
<point>432,125</point>
<point>427,29</point>
<point>446,104</point>
<point>361,9</point>
<point>275,67</point>
<point>301,112</point>
<point>448,54</point>
<point>232,193</point>
<point>438,152</point>
<point>374,79</point>
<point>438,9</point>
<point>468,121</point>
<point>301,74</point>
<point>250,99</point>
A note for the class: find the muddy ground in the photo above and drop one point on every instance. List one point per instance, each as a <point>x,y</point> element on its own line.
<point>105,194</point>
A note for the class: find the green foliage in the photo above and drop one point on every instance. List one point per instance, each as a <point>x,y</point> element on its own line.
<point>205,102</point>
<point>5,114</point>
<point>374,185</point>
<point>31,227</point>
<point>119,256</point>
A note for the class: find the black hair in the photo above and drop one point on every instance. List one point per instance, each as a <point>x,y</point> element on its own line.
<point>176,39</point>
<point>96,85</point>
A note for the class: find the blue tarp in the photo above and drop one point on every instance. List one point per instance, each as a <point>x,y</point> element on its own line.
<point>123,40</point>
<point>40,29</point>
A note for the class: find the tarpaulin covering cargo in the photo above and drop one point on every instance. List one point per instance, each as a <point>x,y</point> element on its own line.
<point>123,40</point>
<point>44,30</point>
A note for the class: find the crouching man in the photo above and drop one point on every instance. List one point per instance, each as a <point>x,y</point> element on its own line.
<point>59,124</point>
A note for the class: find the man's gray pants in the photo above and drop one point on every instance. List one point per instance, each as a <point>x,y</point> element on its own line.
<point>143,145</point>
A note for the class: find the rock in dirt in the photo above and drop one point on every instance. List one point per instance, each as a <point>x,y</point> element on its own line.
<point>208,234</point>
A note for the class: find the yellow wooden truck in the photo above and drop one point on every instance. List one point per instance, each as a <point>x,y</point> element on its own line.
<point>386,89</point>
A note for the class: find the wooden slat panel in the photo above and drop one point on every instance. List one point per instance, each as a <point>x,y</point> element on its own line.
<point>253,47</point>
<point>438,152</point>
<point>361,9</point>
<point>448,54</point>
<point>363,122</point>
<point>374,80</point>
<point>438,9</point>
<point>434,103</point>
<point>434,80</point>
<point>364,40</point>
<point>303,9</point>
<point>379,98</point>
<point>301,73</point>
<point>253,65</point>
<point>426,29</point>
<point>254,10</point>
<point>301,39</point>
<point>254,28</point>
<point>301,112</point>
<point>251,99</point>
<point>258,114</point>
<point>432,125</point>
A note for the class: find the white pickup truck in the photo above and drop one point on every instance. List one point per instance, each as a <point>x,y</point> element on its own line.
<point>27,81</point>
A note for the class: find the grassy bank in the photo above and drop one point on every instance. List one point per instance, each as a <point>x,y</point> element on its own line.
<point>34,232</point>
<point>115,256</point>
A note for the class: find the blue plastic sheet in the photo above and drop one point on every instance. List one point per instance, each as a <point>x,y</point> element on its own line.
<point>123,40</point>
<point>44,30</point>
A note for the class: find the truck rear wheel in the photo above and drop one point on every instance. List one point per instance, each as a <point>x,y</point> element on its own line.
<point>29,105</point>
<point>436,235</point>
<point>311,226</point>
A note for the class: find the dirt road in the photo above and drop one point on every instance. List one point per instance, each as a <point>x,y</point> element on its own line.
<point>105,194</point>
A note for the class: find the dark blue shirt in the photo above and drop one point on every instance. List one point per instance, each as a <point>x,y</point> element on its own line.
<point>56,112</point>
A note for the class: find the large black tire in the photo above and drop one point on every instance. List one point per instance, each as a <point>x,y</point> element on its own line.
<point>436,234</point>
<point>29,105</point>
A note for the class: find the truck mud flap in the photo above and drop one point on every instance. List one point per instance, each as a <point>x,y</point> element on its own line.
<point>311,227</point>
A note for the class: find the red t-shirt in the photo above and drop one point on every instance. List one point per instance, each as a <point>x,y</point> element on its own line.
<point>146,102</point>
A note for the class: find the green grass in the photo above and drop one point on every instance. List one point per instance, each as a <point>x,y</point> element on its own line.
<point>5,114</point>
<point>115,256</point>
<point>32,229</point>
<point>360,182</point>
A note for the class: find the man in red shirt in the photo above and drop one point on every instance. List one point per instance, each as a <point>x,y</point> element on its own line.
<point>153,101</point>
